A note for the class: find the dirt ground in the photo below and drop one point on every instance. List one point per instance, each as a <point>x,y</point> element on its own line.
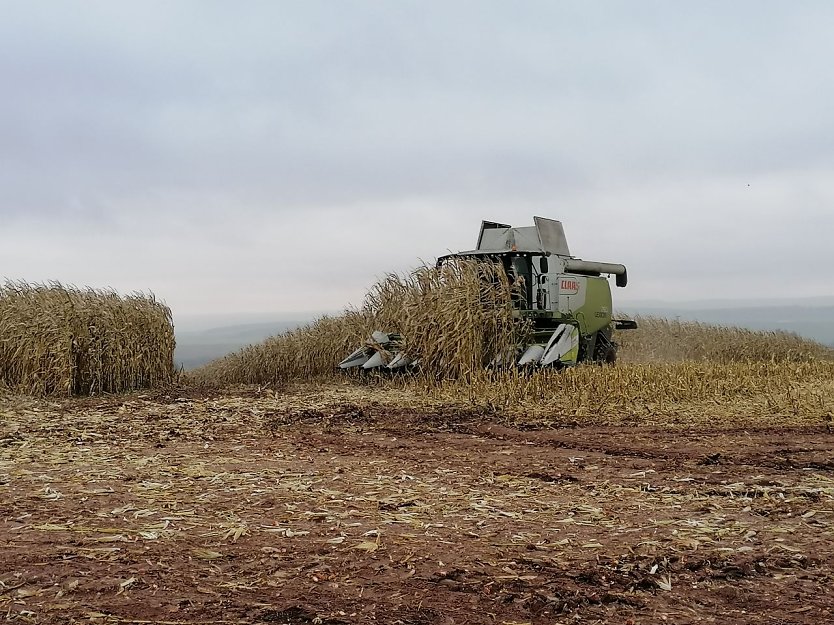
<point>243,508</point>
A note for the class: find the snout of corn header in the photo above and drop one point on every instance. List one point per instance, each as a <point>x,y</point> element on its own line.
<point>382,351</point>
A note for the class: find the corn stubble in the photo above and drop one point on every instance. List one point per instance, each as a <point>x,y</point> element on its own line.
<point>640,390</point>
<point>62,340</point>
<point>459,317</point>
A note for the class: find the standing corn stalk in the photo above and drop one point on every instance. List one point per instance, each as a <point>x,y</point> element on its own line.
<point>456,318</point>
<point>60,340</point>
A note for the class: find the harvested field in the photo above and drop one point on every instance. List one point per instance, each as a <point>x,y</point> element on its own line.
<point>342,504</point>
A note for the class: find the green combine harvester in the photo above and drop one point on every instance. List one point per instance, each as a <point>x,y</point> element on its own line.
<point>566,300</point>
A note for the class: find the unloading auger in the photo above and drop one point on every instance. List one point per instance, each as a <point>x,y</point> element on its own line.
<point>566,300</point>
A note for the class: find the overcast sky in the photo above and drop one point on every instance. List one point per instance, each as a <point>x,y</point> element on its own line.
<point>280,156</point>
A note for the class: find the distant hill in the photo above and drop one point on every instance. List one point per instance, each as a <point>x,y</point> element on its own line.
<point>813,322</point>
<point>197,347</point>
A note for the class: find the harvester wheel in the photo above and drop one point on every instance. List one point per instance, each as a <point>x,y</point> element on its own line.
<point>610,356</point>
<point>605,352</point>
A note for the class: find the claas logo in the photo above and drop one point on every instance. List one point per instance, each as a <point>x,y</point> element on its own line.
<point>569,286</point>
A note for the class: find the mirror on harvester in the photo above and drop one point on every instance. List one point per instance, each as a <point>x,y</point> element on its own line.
<point>543,264</point>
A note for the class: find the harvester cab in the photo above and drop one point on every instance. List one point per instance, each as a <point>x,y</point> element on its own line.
<point>566,300</point>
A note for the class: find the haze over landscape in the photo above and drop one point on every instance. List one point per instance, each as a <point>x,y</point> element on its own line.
<point>270,159</point>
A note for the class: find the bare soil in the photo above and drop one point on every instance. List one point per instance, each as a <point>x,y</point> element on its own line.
<point>185,508</point>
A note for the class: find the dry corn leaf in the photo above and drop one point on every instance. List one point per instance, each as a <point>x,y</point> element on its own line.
<point>126,584</point>
<point>235,533</point>
<point>206,554</point>
<point>367,545</point>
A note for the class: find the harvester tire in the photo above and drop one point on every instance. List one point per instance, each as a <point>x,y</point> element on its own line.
<point>610,356</point>
<point>605,352</point>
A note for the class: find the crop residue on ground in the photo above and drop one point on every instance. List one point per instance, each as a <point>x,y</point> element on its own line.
<point>332,505</point>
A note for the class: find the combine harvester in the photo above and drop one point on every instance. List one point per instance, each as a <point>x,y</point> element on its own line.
<point>566,300</point>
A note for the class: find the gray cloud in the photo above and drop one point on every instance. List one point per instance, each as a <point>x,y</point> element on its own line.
<point>279,156</point>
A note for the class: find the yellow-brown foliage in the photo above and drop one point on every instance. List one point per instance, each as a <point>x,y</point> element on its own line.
<point>639,389</point>
<point>306,353</point>
<point>60,340</point>
<point>664,340</point>
<point>455,318</point>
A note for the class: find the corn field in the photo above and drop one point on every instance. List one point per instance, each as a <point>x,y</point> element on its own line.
<point>639,390</point>
<point>62,340</point>
<point>458,317</point>
<point>664,340</point>
<point>455,318</point>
